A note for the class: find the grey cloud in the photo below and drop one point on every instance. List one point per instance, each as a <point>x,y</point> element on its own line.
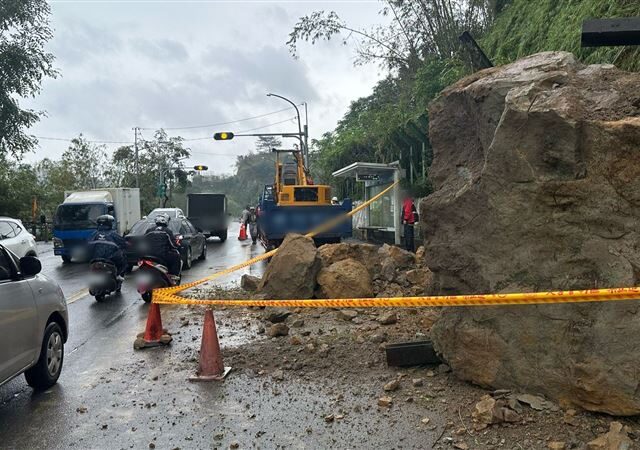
<point>268,69</point>
<point>77,42</point>
<point>161,49</point>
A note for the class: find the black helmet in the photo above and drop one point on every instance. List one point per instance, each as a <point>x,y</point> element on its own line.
<point>105,221</point>
<point>162,220</point>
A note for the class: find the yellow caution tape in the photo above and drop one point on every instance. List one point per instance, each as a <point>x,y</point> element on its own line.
<point>166,292</point>
<point>534,298</point>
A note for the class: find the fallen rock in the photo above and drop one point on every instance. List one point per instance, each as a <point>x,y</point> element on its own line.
<point>392,385</point>
<point>278,375</point>
<point>536,402</point>
<point>347,278</point>
<point>385,401</point>
<point>292,272</point>
<point>298,323</point>
<point>295,340</point>
<point>420,277</point>
<point>417,382</point>
<point>367,254</point>
<point>277,329</point>
<point>535,175</point>
<point>388,318</point>
<point>615,439</point>
<point>250,283</point>
<point>491,411</point>
<point>401,258</point>
<point>276,315</point>
<point>347,314</point>
<point>557,445</point>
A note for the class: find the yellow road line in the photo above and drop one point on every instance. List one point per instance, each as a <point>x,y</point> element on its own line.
<point>77,296</point>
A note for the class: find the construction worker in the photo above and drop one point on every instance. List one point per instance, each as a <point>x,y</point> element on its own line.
<point>409,218</point>
<point>334,201</point>
<point>251,222</point>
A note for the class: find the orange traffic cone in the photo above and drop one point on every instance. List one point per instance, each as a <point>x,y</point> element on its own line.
<point>154,335</point>
<point>211,366</point>
<point>243,233</point>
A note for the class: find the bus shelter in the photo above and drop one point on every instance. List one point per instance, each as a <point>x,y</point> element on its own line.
<point>382,216</point>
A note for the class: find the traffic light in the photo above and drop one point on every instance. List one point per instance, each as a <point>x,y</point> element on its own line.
<point>224,136</point>
<point>200,167</point>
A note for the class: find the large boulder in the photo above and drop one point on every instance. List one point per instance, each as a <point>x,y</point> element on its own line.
<point>535,171</point>
<point>346,278</point>
<point>367,254</point>
<point>292,272</point>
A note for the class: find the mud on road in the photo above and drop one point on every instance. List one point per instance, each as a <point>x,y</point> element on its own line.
<point>317,387</point>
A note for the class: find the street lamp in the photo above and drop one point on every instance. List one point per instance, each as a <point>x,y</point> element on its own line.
<point>302,145</point>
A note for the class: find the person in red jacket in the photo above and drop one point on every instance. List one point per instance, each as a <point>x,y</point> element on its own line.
<point>409,218</point>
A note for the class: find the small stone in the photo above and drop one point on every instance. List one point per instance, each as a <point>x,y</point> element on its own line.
<point>323,349</point>
<point>388,319</point>
<point>385,401</point>
<point>277,315</point>
<point>234,444</point>
<point>392,385</point>
<point>417,382</point>
<point>309,348</point>
<point>295,340</point>
<point>378,338</point>
<point>277,329</point>
<point>298,323</point>
<point>443,368</point>
<point>360,339</point>
<point>81,409</point>
<point>556,445</point>
<point>249,282</point>
<point>461,446</point>
<point>278,375</point>
<point>261,330</point>
<point>426,420</point>
<point>329,418</point>
<point>152,445</point>
<point>347,314</point>
<point>430,373</point>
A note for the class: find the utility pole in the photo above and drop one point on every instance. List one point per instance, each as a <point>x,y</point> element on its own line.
<point>306,133</point>
<point>135,145</point>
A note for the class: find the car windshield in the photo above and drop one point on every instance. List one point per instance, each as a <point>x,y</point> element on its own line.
<point>78,217</point>
<point>170,212</point>
<point>143,226</point>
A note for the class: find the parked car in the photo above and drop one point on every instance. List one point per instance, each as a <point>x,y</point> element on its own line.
<point>16,238</point>
<point>191,243</point>
<point>34,325</point>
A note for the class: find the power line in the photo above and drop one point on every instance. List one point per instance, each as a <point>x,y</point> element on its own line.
<point>243,131</point>
<point>45,138</point>
<point>219,123</point>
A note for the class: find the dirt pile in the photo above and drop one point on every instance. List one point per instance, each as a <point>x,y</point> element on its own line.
<point>535,173</point>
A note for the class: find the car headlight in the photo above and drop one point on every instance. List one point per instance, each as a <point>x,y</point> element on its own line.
<point>57,243</point>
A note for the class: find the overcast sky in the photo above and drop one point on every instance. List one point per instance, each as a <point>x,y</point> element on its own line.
<point>179,63</point>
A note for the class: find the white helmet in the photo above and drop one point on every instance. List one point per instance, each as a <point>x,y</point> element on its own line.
<point>334,199</point>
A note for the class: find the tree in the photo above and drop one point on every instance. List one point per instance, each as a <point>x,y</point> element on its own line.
<point>87,162</point>
<point>418,30</point>
<point>266,143</point>
<point>24,31</point>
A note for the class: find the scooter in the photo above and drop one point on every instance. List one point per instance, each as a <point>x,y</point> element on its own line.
<point>103,279</point>
<point>151,274</point>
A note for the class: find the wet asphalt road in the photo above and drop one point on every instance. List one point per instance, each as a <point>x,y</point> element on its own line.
<point>99,333</point>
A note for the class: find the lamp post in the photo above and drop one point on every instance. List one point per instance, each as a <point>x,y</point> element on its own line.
<point>300,133</point>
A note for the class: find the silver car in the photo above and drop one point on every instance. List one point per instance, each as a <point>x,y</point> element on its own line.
<point>33,322</point>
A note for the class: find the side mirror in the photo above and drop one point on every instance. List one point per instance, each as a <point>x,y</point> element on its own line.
<point>30,266</point>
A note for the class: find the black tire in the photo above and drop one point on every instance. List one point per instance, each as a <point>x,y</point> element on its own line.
<point>188,260</point>
<point>66,259</point>
<point>203,255</point>
<point>146,297</point>
<point>100,298</point>
<point>223,236</point>
<point>47,370</point>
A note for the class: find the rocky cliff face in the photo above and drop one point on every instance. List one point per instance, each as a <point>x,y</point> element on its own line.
<point>537,186</point>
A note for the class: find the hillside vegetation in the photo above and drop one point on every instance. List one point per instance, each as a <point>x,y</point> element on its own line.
<point>392,123</point>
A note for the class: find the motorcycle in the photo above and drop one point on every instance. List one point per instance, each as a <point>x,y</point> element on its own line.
<point>103,279</point>
<point>151,274</point>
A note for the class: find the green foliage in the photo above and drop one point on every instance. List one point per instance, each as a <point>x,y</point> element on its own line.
<point>24,31</point>
<point>527,27</point>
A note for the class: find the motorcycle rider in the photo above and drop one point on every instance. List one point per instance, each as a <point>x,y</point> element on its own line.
<point>160,243</point>
<point>106,243</point>
<point>251,221</point>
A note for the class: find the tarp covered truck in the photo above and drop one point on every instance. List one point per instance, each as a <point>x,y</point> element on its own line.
<point>75,219</point>
<point>208,213</point>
